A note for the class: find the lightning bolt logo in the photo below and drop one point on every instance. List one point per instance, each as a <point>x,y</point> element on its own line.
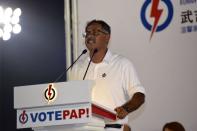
<point>23,117</point>
<point>49,92</point>
<point>155,13</point>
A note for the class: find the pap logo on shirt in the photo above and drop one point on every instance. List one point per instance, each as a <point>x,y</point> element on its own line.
<point>161,20</point>
<point>104,75</point>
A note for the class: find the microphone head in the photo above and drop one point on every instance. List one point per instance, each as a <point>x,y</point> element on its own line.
<point>84,51</point>
<point>95,50</point>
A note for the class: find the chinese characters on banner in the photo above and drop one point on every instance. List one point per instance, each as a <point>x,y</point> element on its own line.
<point>188,17</point>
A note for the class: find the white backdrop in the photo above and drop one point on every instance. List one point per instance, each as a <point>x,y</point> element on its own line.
<point>166,64</point>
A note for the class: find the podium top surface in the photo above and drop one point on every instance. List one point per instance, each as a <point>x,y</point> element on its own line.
<point>61,93</point>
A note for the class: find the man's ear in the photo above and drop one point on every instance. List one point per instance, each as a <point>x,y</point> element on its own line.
<point>107,38</point>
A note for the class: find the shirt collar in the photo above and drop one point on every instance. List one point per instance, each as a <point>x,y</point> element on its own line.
<point>107,58</point>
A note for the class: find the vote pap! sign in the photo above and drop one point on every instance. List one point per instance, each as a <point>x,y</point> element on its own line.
<point>59,115</point>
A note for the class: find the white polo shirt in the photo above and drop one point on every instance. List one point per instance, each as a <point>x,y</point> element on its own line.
<point>115,77</point>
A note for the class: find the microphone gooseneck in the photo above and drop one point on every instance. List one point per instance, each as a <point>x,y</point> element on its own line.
<point>95,51</point>
<point>60,76</point>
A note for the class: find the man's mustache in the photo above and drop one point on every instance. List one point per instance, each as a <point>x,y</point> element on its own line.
<point>90,40</point>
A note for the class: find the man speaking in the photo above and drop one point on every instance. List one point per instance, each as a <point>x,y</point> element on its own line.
<point>117,85</point>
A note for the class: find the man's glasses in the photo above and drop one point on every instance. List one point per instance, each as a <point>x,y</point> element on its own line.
<point>94,33</point>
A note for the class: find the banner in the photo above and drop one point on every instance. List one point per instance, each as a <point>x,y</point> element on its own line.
<point>159,37</point>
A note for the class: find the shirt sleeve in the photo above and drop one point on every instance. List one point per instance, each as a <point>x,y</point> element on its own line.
<point>131,80</point>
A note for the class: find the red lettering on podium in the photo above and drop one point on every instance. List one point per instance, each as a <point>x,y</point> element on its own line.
<point>73,114</point>
<point>81,112</point>
<point>65,113</point>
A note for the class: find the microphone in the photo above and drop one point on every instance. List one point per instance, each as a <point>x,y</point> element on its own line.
<point>60,76</point>
<point>95,51</point>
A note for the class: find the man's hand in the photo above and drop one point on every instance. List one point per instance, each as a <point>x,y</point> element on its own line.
<point>121,113</point>
<point>136,101</point>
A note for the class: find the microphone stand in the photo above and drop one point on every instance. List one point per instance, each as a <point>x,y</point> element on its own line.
<point>60,76</point>
<point>95,51</point>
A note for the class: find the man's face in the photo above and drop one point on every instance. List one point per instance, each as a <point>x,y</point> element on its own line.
<point>96,37</point>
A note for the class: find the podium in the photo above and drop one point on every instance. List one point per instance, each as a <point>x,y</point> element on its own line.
<point>63,106</point>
